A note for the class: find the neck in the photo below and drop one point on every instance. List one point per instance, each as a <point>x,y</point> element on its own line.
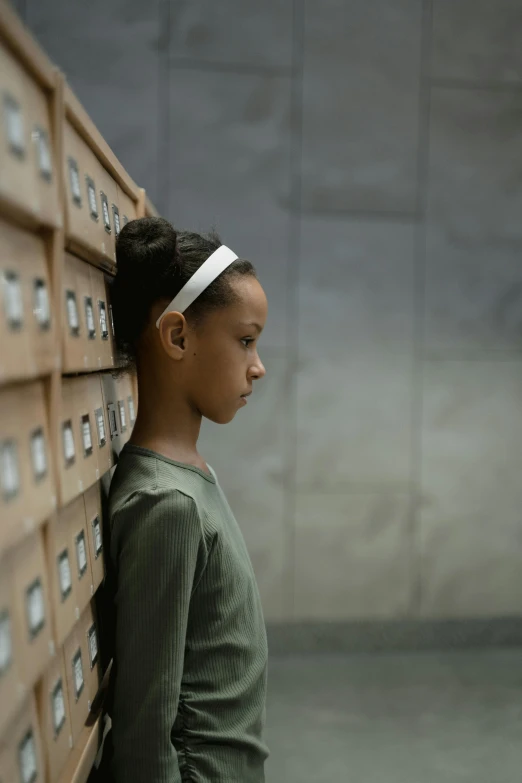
<point>166,422</point>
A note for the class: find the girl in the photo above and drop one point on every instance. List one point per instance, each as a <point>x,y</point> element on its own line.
<point>190,652</point>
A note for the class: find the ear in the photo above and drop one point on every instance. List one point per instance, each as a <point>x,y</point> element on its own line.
<point>173,331</point>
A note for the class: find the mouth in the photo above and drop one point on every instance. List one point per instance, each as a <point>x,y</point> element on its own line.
<point>245,396</point>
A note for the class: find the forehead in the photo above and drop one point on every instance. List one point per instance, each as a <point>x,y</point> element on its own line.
<point>250,306</point>
<point>251,298</point>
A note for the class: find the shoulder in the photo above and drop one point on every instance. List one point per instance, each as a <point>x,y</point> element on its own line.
<point>142,479</point>
<point>156,504</point>
<point>161,515</point>
<point>159,534</point>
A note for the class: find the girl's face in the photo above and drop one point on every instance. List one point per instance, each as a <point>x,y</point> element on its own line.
<point>222,360</point>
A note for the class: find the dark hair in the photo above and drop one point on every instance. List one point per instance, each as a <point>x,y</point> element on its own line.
<point>154,261</point>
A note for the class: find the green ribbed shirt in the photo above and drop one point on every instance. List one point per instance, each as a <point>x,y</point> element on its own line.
<point>190,641</point>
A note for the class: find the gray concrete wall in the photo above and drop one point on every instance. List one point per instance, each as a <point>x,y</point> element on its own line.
<point>366,156</point>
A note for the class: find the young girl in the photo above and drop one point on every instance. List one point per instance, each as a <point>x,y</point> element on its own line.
<point>190,652</point>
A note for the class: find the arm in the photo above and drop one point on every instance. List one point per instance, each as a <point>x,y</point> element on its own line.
<point>159,550</point>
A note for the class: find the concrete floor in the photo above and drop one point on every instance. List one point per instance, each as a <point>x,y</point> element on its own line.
<point>408,718</point>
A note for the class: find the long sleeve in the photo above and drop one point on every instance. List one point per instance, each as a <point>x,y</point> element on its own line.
<point>159,548</point>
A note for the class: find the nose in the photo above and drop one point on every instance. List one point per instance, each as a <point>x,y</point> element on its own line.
<point>257,370</point>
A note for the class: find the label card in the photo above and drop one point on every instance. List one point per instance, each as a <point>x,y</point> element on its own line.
<point>81,554</point>
<point>89,318</point>
<point>72,313</point>
<point>6,645</point>
<point>13,300</point>
<point>74,180</point>
<point>41,304</point>
<point>100,423</point>
<point>97,536</point>
<point>123,417</point>
<point>125,220</point>
<point>93,645</point>
<point>113,421</point>
<point>91,198</point>
<point>116,220</point>
<point>43,152</point>
<point>64,574</point>
<point>105,210</point>
<point>39,454</point>
<point>69,451</point>
<point>77,670</point>
<point>86,435</point>
<point>104,330</point>
<point>27,759</point>
<point>112,321</point>
<point>35,606</point>
<point>9,470</point>
<point>132,412</point>
<point>14,125</point>
<point>58,707</point>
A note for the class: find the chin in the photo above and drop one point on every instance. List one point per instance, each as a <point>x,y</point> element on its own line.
<point>221,418</point>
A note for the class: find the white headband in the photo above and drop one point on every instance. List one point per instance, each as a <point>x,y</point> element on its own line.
<point>205,275</point>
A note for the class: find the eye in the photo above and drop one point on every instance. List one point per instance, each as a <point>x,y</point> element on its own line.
<point>247,341</point>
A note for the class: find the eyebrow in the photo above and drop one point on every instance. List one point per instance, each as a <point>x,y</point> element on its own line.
<point>252,323</point>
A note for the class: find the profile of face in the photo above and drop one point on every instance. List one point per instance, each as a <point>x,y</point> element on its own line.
<point>218,359</point>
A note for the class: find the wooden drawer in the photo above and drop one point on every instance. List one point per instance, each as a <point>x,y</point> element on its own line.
<point>79,329</point>
<point>90,194</point>
<point>33,625</point>
<point>10,691</point>
<point>41,155</point>
<point>21,756</point>
<point>120,404</point>
<point>54,717</point>
<point>28,178</point>
<point>84,436</point>
<point>28,329</point>
<point>94,516</point>
<point>104,343</point>
<point>27,486</point>
<point>127,208</point>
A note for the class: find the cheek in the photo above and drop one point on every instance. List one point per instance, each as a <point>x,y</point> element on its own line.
<point>214,378</point>
<point>218,363</point>
<point>211,366</point>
